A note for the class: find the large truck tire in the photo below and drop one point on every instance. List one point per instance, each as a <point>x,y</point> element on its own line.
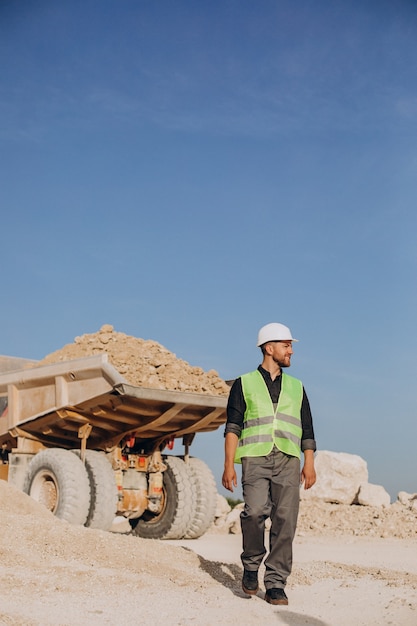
<point>174,519</point>
<point>205,498</point>
<point>103,490</point>
<point>58,479</point>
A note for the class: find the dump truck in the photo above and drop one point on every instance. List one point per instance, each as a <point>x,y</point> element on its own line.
<point>78,438</point>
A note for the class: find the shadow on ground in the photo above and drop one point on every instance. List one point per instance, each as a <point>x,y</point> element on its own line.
<point>298,619</point>
<point>230,576</point>
<point>227,574</point>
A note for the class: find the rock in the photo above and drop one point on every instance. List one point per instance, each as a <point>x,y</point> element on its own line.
<point>223,508</point>
<point>408,500</point>
<point>227,520</point>
<point>373,495</point>
<point>339,477</point>
<point>233,520</point>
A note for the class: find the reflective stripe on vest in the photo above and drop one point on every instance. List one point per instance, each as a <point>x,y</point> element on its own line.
<point>263,426</point>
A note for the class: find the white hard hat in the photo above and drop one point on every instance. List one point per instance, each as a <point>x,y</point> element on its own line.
<point>274,332</point>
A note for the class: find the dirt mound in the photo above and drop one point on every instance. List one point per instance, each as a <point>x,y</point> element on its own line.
<point>322,518</point>
<point>29,533</point>
<point>12,500</point>
<point>143,362</point>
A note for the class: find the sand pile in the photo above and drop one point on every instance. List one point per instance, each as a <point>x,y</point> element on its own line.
<point>143,362</point>
<point>52,568</point>
<point>31,533</point>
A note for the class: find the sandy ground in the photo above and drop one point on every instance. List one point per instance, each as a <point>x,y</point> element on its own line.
<point>56,574</point>
<point>335,582</point>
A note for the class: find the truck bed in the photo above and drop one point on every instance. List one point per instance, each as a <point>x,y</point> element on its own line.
<point>50,403</point>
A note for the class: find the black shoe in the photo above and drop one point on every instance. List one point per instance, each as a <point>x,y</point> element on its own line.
<point>276,596</point>
<point>250,582</point>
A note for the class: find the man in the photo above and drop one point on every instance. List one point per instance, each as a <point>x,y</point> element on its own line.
<point>268,425</point>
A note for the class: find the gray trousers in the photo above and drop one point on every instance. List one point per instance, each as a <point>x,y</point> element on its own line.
<point>271,488</point>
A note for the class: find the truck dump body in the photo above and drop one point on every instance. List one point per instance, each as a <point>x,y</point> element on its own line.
<point>50,403</point>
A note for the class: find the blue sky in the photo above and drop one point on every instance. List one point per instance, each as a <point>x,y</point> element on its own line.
<point>189,171</point>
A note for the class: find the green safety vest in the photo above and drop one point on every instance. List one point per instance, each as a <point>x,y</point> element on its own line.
<point>264,426</point>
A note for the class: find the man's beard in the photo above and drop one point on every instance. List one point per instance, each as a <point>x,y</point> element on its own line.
<point>282,364</point>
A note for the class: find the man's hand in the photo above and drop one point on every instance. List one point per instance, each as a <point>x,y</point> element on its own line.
<point>229,479</point>
<point>308,473</point>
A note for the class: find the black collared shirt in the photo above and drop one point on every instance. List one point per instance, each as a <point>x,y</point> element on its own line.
<point>236,408</point>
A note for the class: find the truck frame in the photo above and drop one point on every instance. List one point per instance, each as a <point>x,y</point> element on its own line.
<point>77,437</point>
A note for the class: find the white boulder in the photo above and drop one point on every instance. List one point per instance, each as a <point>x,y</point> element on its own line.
<point>233,520</point>
<point>223,509</point>
<point>408,500</point>
<point>339,477</point>
<point>373,495</point>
